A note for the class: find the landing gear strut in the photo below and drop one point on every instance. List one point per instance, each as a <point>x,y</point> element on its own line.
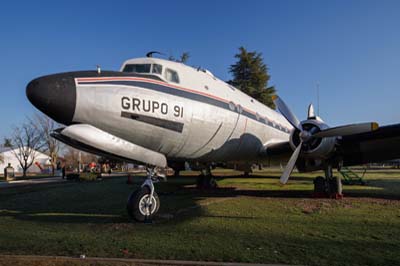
<point>144,203</point>
<point>205,180</point>
<point>329,186</point>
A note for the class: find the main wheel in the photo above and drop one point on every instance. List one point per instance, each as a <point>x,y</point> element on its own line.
<point>139,207</point>
<point>320,185</point>
<point>206,182</point>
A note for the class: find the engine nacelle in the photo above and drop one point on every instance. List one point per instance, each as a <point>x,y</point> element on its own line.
<point>314,148</point>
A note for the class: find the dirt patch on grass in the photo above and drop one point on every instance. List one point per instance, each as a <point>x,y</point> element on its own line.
<point>56,261</point>
<point>310,206</point>
<point>375,201</point>
<point>321,205</point>
<point>66,261</point>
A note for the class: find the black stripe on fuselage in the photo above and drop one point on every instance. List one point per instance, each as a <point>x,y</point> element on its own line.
<point>183,94</point>
<point>158,122</point>
<point>165,89</point>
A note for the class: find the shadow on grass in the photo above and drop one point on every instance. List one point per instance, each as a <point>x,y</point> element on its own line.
<point>377,188</point>
<point>103,202</point>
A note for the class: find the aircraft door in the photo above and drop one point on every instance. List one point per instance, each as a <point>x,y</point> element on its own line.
<point>185,113</point>
<point>211,127</point>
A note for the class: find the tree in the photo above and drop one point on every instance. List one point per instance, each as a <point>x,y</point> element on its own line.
<point>72,157</point>
<point>7,143</point>
<point>26,141</point>
<point>250,75</point>
<point>182,59</point>
<point>50,145</point>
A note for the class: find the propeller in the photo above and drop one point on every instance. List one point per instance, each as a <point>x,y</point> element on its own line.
<point>306,136</point>
<point>347,130</point>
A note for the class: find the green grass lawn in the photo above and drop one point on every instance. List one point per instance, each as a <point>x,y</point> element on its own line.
<point>247,220</point>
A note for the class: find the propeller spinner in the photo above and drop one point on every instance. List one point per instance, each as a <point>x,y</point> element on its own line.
<point>306,135</point>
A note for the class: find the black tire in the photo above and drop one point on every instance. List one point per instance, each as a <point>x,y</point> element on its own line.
<point>200,181</point>
<point>206,182</point>
<point>135,208</point>
<point>176,173</point>
<point>319,185</point>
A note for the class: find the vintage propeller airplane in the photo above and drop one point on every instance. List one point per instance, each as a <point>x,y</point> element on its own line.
<point>165,113</point>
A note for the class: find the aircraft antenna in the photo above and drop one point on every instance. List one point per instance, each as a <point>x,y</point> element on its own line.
<point>317,98</point>
<point>150,54</point>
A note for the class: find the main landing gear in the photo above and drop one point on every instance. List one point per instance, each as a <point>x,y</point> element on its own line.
<point>329,186</point>
<point>206,180</point>
<point>143,203</point>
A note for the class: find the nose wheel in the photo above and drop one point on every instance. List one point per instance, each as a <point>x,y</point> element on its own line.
<point>143,204</point>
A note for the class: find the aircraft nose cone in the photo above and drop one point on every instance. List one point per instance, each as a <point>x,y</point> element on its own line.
<point>54,95</point>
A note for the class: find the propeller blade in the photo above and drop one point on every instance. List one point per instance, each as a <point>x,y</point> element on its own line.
<point>285,111</point>
<point>290,165</point>
<point>347,130</point>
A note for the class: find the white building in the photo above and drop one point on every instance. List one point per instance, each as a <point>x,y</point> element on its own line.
<point>40,164</point>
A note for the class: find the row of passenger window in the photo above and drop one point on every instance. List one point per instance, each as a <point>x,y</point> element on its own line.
<point>271,123</point>
<point>264,120</point>
<point>169,74</point>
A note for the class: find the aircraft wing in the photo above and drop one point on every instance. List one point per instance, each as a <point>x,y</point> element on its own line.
<point>276,152</point>
<point>380,145</point>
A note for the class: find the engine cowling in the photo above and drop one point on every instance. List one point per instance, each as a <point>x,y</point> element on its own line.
<point>314,140</point>
<point>313,148</point>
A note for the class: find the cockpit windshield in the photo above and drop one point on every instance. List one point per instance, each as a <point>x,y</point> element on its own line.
<point>157,69</point>
<point>137,68</point>
<point>143,68</point>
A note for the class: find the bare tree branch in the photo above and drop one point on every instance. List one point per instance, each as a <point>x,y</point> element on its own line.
<point>26,141</point>
<point>51,146</point>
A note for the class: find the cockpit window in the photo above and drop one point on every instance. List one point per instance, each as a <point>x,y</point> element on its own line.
<point>157,69</point>
<point>171,75</point>
<point>137,68</point>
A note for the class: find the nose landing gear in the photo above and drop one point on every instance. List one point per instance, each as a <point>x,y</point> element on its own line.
<point>143,203</point>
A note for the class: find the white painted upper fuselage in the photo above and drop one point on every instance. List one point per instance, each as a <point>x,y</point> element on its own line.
<point>199,117</point>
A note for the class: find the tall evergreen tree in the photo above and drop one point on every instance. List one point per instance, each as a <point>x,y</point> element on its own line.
<point>184,57</point>
<point>250,75</point>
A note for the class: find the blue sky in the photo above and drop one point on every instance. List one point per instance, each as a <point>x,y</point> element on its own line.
<point>351,48</point>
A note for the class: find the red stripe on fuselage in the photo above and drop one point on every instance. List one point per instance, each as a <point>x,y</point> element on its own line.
<point>152,81</point>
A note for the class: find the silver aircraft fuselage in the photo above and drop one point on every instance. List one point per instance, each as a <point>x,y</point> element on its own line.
<point>194,116</point>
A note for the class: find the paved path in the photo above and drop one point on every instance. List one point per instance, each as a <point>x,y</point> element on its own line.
<point>60,260</point>
<point>47,180</point>
<point>28,182</point>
